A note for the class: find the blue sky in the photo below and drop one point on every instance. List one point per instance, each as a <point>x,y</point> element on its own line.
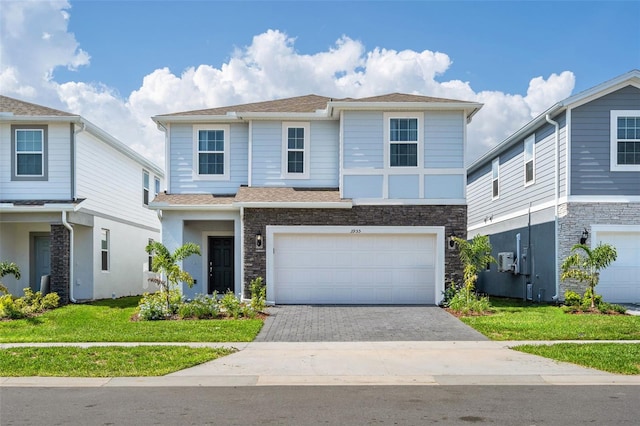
<point>120,62</point>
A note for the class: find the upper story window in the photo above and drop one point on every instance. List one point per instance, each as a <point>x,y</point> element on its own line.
<point>211,152</point>
<point>625,140</point>
<point>495,178</point>
<point>145,190</point>
<point>156,186</point>
<point>29,152</point>
<point>403,142</point>
<point>104,249</point>
<point>529,160</point>
<point>295,150</point>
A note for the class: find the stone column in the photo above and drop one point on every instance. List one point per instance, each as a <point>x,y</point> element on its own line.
<point>60,262</point>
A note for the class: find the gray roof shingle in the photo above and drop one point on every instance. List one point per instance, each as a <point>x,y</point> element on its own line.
<point>18,107</point>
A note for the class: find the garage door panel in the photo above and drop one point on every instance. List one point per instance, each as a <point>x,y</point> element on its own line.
<point>620,281</point>
<point>354,268</point>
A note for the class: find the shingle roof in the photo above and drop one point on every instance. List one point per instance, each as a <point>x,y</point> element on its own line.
<point>307,103</point>
<point>253,195</point>
<point>18,107</point>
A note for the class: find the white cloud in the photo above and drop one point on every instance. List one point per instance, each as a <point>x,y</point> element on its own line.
<point>268,68</point>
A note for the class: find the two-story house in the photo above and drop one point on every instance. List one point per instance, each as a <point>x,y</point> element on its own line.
<point>571,175</point>
<point>341,201</point>
<point>73,205</point>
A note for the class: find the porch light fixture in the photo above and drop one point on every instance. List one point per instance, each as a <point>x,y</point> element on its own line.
<point>451,242</point>
<point>259,241</point>
<point>585,235</point>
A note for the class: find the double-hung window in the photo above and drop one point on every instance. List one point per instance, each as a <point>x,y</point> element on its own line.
<point>495,178</point>
<point>295,150</point>
<point>145,189</point>
<point>403,136</point>
<point>211,152</point>
<point>29,152</point>
<point>625,140</point>
<point>104,249</point>
<point>529,160</point>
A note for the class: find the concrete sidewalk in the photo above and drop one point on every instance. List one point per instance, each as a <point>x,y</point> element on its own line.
<point>358,363</point>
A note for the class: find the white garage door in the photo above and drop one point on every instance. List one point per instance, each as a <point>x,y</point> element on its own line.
<point>354,268</point>
<point>620,281</point>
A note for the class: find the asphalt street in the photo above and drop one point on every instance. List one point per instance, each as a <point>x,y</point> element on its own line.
<point>312,405</point>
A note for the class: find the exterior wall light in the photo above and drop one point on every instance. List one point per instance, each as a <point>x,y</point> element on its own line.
<point>585,235</point>
<point>451,242</point>
<point>259,240</point>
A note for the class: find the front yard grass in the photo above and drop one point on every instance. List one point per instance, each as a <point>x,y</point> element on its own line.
<point>619,358</point>
<point>103,361</point>
<point>515,320</point>
<point>110,321</point>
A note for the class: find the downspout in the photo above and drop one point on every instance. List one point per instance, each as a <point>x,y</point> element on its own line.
<point>70,228</point>
<point>556,195</point>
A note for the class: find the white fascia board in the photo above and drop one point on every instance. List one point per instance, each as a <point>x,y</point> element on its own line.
<point>46,208</point>
<point>318,115</point>
<point>295,205</point>
<point>196,119</point>
<point>470,108</point>
<point>121,147</point>
<point>198,207</point>
<point>41,118</point>
<point>409,202</point>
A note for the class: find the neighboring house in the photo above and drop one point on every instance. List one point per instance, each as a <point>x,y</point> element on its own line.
<point>572,174</point>
<point>73,205</point>
<point>330,200</point>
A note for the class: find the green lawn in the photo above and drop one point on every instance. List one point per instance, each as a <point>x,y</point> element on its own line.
<point>103,361</point>
<point>620,358</point>
<point>110,321</point>
<point>514,320</point>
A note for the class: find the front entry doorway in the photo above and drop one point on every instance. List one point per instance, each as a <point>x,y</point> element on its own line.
<point>221,267</point>
<point>41,260</point>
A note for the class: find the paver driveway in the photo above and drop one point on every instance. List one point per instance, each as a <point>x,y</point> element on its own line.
<point>332,323</point>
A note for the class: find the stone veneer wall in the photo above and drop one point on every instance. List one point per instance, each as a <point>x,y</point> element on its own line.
<point>60,249</point>
<point>453,218</point>
<point>573,218</point>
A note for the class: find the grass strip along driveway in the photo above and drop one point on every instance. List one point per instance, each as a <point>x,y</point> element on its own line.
<point>515,320</point>
<point>110,321</point>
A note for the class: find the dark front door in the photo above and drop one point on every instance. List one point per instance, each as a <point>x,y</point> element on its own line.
<point>220,264</point>
<point>41,260</point>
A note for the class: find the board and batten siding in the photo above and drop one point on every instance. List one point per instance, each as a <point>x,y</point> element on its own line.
<point>112,183</point>
<point>58,183</point>
<point>513,194</point>
<point>591,143</point>
<point>183,170</point>
<point>267,148</point>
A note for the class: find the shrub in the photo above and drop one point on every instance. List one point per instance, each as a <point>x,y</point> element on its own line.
<point>588,298</point>
<point>201,307</point>
<point>27,305</point>
<point>230,304</point>
<point>258,294</point>
<point>448,294</point>
<point>465,305</point>
<point>571,298</point>
<point>153,306</point>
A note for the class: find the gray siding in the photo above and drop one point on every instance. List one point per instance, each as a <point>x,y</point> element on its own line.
<point>444,139</point>
<point>183,171</point>
<point>590,146</point>
<point>513,194</point>
<point>539,271</point>
<point>404,186</point>
<point>363,140</point>
<point>362,187</point>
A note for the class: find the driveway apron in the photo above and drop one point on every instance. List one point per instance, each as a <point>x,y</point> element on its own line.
<point>340,323</point>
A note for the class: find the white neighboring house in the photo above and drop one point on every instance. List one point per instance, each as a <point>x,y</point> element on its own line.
<point>73,205</point>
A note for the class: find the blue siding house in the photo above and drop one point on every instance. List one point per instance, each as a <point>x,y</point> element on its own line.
<point>572,174</point>
<point>330,200</point>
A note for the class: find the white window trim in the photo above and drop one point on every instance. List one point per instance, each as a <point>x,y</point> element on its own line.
<point>531,139</point>
<point>107,250</point>
<point>496,161</point>
<point>156,186</point>
<point>41,152</point>
<point>286,125</point>
<point>226,152</point>
<point>614,166</point>
<point>387,139</point>
<point>146,187</point>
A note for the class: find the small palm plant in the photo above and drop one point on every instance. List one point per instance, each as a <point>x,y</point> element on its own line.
<point>585,267</point>
<point>475,255</point>
<point>8,268</point>
<point>167,265</point>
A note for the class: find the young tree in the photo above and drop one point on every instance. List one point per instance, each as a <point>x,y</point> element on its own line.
<point>166,264</point>
<point>8,268</point>
<point>585,267</point>
<point>475,255</point>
